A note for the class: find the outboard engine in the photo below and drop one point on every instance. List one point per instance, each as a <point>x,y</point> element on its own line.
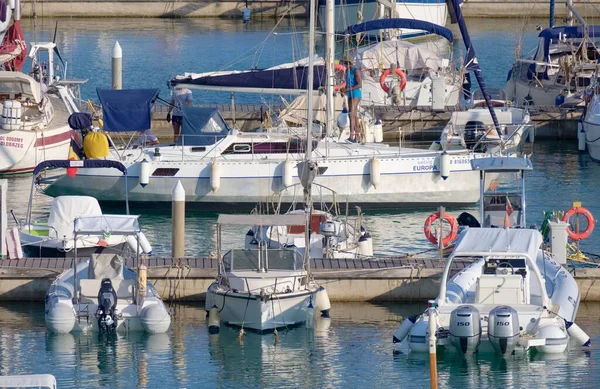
<point>503,329</point>
<point>468,220</point>
<point>465,329</point>
<point>107,304</point>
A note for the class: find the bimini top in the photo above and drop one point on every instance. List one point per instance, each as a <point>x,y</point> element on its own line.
<point>86,163</point>
<point>17,83</point>
<point>405,55</point>
<point>202,126</point>
<point>112,224</point>
<point>262,220</point>
<point>502,164</point>
<point>383,24</point>
<point>127,109</point>
<point>495,241</point>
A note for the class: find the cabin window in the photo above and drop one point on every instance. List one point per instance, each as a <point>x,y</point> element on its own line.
<point>242,148</point>
<point>197,149</point>
<point>583,82</point>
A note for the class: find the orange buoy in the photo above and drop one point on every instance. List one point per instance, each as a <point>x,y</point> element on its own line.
<point>386,73</point>
<point>590,223</point>
<point>340,68</point>
<point>448,238</point>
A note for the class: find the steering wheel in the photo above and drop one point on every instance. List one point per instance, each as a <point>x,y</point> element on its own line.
<point>505,268</point>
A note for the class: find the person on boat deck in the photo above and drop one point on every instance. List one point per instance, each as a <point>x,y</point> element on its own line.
<point>146,137</point>
<point>181,96</point>
<point>354,93</point>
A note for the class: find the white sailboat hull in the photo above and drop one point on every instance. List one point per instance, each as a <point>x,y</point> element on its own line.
<point>591,126</point>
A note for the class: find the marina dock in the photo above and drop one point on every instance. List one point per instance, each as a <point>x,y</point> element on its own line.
<point>395,279</point>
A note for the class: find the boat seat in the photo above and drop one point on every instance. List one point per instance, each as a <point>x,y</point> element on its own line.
<point>88,290</point>
<point>499,289</point>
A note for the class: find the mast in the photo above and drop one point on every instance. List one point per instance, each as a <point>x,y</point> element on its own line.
<point>551,22</point>
<point>311,66</point>
<point>470,58</point>
<point>329,55</point>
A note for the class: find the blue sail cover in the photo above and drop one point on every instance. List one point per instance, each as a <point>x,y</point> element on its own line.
<point>413,24</point>
<point>127,109</point>
<point>86,163</point>
<point>202,127</point>
<point>281,78</point>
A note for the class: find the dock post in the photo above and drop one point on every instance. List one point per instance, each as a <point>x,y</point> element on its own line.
<point>117,67</point>
<point>178,220</point>
<point>3,217</point>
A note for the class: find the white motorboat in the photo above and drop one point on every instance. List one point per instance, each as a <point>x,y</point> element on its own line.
<point>102,293</point>
<point>263,289</point>
<point>591,128</point>
<point>38,381</point>
<point>34,109</point>
<point>53,236</point>
<point>514,295</point>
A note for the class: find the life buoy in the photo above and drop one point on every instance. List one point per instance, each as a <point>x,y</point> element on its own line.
<point>340,68</point>
<point>590,223</point>
<point>448,238</point>
<point>386,73</point>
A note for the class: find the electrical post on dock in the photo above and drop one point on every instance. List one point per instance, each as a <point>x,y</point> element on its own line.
<point>117,67</point>
<point>178,227</point>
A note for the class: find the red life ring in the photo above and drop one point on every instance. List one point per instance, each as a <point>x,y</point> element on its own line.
<point>386,73</point>
<point>590,223</point>
<point>340,68</point>
<point>448,238</point>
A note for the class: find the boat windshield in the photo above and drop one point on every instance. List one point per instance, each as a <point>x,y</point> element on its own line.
<point>255,260</point>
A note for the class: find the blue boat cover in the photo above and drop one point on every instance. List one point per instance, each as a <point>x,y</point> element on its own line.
<point>285,78</point>
<point>202,127</point>
<point>86,163</point>
<point>382,24</point>
<point>80,120</point>
<point>127,109</point>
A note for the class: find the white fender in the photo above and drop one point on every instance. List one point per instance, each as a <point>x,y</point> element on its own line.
<point>215,176</point>
<point>578,334</point>
<point>214,320</point>
<point>375,172</point>
<point>144,244</point>
<point>287,172</point>
<point>144,173</point>
<point>580,137</point>
<point>322,301</point>
<point>404,328</point>
<point>363,246</point>
<point>445,165</point>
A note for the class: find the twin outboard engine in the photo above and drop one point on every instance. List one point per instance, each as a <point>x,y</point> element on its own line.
<point>107,304</point>
<point>503,329</point>
<point>465,329</point>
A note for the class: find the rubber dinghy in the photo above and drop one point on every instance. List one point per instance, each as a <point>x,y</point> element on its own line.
<point>102,293</point>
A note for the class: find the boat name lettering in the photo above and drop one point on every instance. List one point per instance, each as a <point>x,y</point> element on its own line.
<point>460,161</point>
<point>420,168</point>
<point>11,141</point>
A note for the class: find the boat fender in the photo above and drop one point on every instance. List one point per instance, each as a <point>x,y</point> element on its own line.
<point>386,73</point>
<point>578,334</point>
<point>375,171</point>
<point>142,280</point>
<point>322,302</point>
<point>581,142</point>
<point>144,173</point>
<point>448,238</point>
<point>215,176</point>
<point>214,320</point>
<point>404,328</point>
<point>445,165</point>
<point>590,223</point>
<point>363,246</point>
<point>144,244</point>
<point>287,173</point>
<point>343,120</point>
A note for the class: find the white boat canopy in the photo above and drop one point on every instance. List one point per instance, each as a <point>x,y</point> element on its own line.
<point>498,241</point>
<point>15,83</point>
<point>113,224</point>
<point>28,381</point>
<point>406,55</point>
<point>502,164</point>
<point>65,209</point>
<point>262,220</point>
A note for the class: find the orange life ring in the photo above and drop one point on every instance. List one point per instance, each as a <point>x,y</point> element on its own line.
<point>386,73</point>
<point>340,68</point>
<point>448,238</point>
<point>590,223</point>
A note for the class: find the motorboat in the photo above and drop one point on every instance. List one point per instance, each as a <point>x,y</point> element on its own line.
<point>263,289</point>
<point>39,381</point>
<point>53,236</point>
<point>34,108</point>
<point>561,69</point>
<point>101,293</point>
<point>514,295</point>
